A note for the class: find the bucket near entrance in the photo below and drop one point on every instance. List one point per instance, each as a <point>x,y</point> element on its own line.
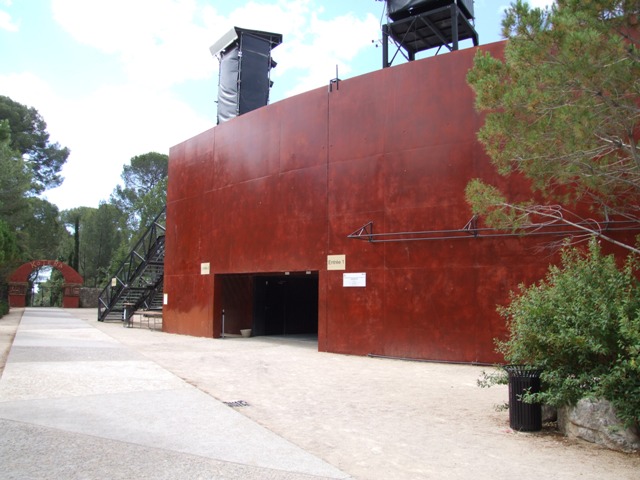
<point>246,333</point>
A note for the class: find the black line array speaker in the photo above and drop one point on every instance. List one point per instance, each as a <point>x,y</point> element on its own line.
<point>245,65</point>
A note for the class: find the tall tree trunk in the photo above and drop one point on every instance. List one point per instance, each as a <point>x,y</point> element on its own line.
<point>76,249</point>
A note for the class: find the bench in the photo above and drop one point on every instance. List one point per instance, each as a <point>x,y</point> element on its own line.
<point>151,315</point>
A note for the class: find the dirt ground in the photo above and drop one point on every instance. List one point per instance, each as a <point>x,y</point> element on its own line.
<point>8,326</point>
<point>373,418</point>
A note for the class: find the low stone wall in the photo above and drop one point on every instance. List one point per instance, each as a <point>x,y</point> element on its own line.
<point>595,421</point>
<point>89,297</point>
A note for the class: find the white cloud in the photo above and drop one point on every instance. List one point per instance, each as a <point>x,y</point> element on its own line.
<point>6,22</point>
<point>32,91</point>
<point>159,42</point>
<point>312,47</point>
<point>334,42</point>
<point>125,121</point>
<point>103,130</point>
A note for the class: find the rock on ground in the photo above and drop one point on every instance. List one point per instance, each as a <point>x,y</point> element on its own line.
<point>596,421</point>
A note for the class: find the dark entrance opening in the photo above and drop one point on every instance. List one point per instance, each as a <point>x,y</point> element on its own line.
<point>286,304</point>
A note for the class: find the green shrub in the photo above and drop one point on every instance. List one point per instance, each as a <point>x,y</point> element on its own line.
<point>581,326</point>
<point>4,308</point>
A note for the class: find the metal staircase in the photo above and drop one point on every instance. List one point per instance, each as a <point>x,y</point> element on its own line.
<point>137,285</point>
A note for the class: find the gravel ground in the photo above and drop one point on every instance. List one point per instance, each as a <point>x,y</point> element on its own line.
<point>369,417</point>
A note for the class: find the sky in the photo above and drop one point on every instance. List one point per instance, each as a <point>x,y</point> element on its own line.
<point>123,78</point>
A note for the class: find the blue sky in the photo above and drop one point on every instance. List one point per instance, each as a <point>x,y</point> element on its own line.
<point>125,77</point>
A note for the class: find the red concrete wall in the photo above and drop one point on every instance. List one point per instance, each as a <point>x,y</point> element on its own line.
<point>18,283</point>
<point>280,188</point>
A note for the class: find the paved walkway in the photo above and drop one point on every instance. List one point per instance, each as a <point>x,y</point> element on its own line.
<point>87,400</point>
<point>75,403</point>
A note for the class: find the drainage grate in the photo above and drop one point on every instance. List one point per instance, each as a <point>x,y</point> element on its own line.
<point>237,403</point>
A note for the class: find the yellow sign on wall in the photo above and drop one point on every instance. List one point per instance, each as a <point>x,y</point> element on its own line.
<point>336,262</point>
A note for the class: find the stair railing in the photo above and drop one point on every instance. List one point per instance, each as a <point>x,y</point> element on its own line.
<point>132,266</point>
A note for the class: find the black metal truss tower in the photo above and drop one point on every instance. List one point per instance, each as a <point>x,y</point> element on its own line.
<point>417,25</point>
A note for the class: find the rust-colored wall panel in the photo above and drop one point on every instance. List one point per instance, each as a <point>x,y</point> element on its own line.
<point>359,117</point>
<point>431,176</point>
<point>190,167</point>
<point>299,191</point>
<point>280,188</point>
<point>360,254</point>
<point>277,212</point>
<point>303,131</point>
<point>357,186</point>
<point>436,314</point>
<point>185,232</point>
<point>175,181</point>
<point>355,321</point>
<point>430,103</point>
<point>188,310</point>
<point>247,147</point>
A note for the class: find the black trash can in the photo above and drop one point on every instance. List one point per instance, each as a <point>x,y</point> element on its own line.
<point>524,417</point>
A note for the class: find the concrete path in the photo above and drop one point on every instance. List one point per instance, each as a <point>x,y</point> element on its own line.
<point>75,403</point>
<point>90,400</point>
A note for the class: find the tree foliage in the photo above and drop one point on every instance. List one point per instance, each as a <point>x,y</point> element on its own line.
<point>32,228</point>
<point>72,220</point>
<point>29,163</point>
<point>101,238</point>
<point>144,187</point>
<point>96,237</point>
<point>41,232</point>
<point>9,251</point>
<point>30,138</point>
<point>581,326</point>
<point>15,180</point>
<point>151,204</point>
<point>144,172</point>
<point>562,109</point>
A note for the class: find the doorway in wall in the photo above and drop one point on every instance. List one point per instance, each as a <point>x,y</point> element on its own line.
<point>270,304</point>
<point>286,304</point>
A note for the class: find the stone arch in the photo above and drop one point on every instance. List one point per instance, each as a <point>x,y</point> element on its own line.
<point>18,283</point>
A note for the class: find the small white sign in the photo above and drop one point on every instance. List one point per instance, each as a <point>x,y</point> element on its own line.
<point>354,279</point>
<point>114,282</point>
<point>205,268</point>
<point>336,262</point>
<point>165,299</point>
